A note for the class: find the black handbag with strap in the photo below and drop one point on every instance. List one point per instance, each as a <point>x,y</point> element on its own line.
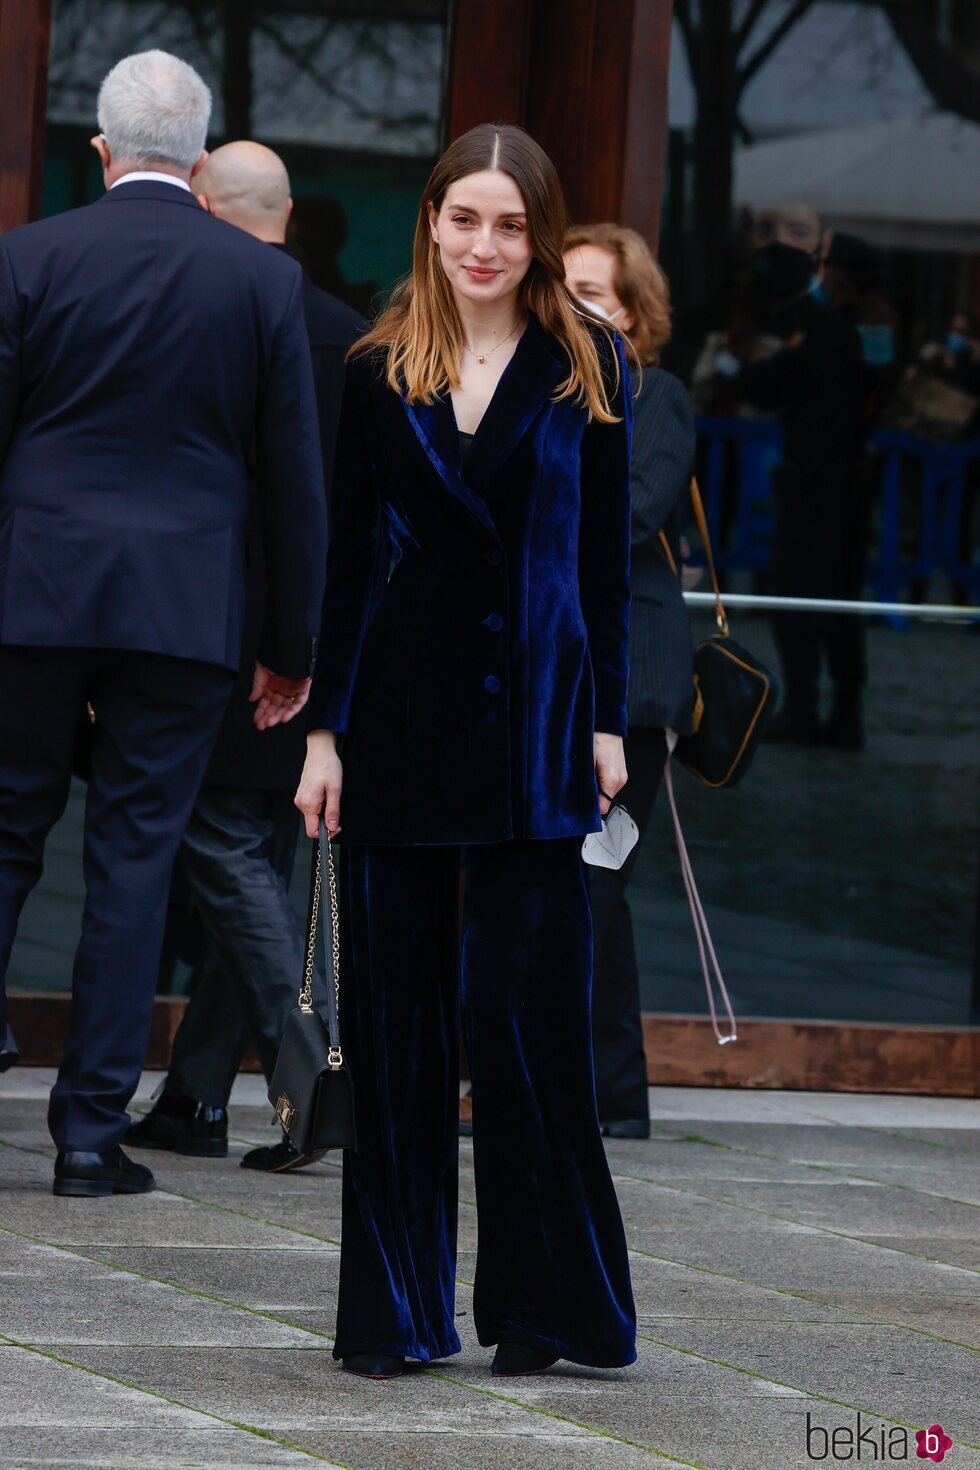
<point>312,1089</point>
<point>734,692</point>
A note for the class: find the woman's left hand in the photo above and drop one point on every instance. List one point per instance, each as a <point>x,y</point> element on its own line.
<point>610,767</point>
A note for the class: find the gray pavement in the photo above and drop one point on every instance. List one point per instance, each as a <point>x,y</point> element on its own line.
<point>798,1258</point>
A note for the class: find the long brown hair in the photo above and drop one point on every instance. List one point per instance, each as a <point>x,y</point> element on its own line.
<point>640,283</point>
<point>421,328</point>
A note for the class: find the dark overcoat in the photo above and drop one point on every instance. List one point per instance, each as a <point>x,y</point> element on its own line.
<point>147,353</point>
<point>476,621</point>
<point>661,648</point>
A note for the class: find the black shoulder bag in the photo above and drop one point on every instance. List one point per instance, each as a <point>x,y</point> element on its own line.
<point>733,692</point>
<point>311,1089</point>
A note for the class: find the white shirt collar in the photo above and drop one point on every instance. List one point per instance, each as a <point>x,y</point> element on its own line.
<point>141,176</point>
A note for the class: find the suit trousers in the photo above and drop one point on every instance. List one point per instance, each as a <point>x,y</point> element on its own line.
<point>156,720</point>
<point>237,857</point>
<point>552,1268</point>
<point>617,1035</point>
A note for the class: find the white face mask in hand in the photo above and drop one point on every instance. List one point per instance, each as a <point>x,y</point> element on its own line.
<point>612,846</point>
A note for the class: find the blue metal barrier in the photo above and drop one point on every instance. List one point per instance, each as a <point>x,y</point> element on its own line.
<point>918,514</point>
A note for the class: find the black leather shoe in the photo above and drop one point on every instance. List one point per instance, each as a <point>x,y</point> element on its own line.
<point>374,1365</point>
<point>626,1128</point>
<point>91,1175</point>
<point>183,1126</point>
<point>9,1051</point>
<point>517,1359</point>
<point>279,1158</point>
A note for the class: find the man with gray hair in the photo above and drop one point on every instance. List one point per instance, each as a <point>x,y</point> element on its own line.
<point>149,355</point>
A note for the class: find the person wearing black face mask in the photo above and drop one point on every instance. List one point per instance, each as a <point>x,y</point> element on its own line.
<point>815,385</point>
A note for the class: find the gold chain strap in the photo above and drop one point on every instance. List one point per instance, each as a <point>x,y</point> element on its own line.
<point>306,994</point>
<point>335,1056</point>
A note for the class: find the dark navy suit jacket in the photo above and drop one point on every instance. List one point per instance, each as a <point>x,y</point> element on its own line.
<point>147,351</point>
<point>271,760</point>
<point>476,617</point>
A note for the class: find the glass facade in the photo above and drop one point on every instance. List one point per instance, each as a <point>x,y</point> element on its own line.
<point>351,96</point>
<point>841,878</point>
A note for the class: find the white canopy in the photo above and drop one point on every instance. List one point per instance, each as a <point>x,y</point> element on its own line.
<point>910,184</point>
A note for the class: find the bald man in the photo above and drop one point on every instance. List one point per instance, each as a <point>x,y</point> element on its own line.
<point>237,855</point>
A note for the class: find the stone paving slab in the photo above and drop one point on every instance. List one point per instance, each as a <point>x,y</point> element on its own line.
<point>57,1415</point>
<point>424,1419</point>
<point>877,1368</point>
<point>912,1163</point>
<point>49,1296</point>
<point>754,1310</point>
<point>282,1281</point>
<point>703,1413</point>
<point>208,1448</point>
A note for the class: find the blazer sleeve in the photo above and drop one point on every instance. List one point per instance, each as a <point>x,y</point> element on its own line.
<point>9,351</point>
<point>663,455</point>
<point>604,548</point>
<point>357,562</point>
<point>291,498</point>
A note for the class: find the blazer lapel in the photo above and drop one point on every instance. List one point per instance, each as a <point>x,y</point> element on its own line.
<point>529,380</point>
<point>435,429</point>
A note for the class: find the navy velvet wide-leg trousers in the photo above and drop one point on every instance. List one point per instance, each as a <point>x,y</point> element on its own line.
<point>552,1267</point>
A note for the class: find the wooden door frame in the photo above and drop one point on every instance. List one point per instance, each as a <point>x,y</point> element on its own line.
<point>25,33</point>
<point>588,80</point>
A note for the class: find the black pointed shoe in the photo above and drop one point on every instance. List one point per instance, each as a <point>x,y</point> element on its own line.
<point>93,1175</point>
<point>279,1158</point>
<point>517,1360</point>
<point>375,1365</point>
<point>182,1125</point>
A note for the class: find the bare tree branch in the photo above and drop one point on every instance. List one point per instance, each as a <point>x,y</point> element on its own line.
<point>749,20</point>
<point>775,38</point>
<point>952,82</point>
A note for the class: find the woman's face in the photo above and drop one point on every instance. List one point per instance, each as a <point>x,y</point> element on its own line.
<point>589,272</point>
<point>482,235</point>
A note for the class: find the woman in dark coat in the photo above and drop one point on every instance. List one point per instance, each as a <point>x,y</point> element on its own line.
<point>611,268</point>
<point>470,698</point>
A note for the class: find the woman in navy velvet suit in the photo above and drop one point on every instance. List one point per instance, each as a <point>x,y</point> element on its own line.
<point>469,706</point>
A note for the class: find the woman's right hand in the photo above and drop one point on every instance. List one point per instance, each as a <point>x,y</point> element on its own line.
<point>320,784</point>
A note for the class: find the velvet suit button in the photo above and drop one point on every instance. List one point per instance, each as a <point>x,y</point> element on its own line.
<point>492,684</point>
<point>494,557</point>
<point>494,622</point>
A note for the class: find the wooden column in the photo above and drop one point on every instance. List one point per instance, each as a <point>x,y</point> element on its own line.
<point>488,55</point>
<point>25,28</point>
<point>588,80</point>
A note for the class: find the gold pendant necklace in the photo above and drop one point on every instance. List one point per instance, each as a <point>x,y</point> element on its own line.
<point>481,357</point>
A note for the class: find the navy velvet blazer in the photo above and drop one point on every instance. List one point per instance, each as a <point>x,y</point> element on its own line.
<point>147,351</point>
<point>476,620</point>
